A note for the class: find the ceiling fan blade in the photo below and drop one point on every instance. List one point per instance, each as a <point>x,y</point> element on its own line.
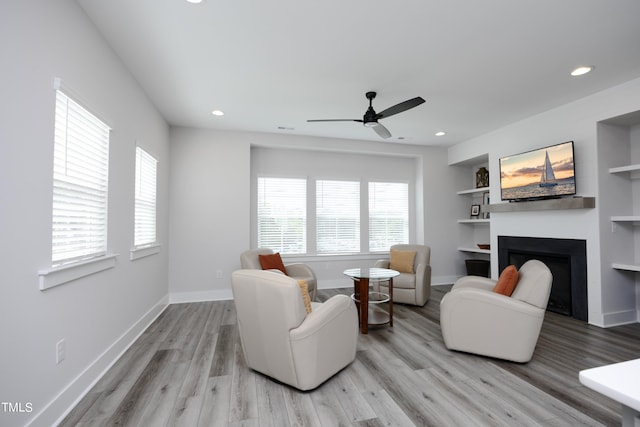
<point>382,131</point>
<point>336,120</point>
<point>399,108</point>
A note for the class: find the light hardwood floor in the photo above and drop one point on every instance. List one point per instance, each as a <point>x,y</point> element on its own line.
<point>187,369</point>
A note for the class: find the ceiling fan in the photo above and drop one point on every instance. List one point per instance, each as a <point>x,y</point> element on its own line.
<point>370,118</point>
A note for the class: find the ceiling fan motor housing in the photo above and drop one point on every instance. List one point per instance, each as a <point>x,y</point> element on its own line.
<point>369,119</point>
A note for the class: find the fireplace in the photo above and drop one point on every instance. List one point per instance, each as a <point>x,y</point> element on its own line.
<point>567,260</point>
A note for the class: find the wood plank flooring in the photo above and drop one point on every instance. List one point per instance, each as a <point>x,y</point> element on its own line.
<point>187,369</point>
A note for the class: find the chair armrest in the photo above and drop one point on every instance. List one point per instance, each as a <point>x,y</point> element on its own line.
<point>325,342</point>
<point>299,269</point>
<point>335,307</point>
<point>381,263</point>
<point>491,301</point>
<point>476,282</point>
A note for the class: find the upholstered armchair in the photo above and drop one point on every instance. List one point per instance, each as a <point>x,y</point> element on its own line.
<point>475,319</point>
<point>281,340</point>
<point>299,271</point>
<point>413,285</point>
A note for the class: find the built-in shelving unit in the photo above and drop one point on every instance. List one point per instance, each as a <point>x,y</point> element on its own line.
<point>619,154</point>
<point>474,230</point>
<point>474,236</point>
<point>633,220</point>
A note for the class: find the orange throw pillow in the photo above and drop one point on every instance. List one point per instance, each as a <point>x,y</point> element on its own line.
<point>507,281</point>
<point>304,288</point>
<point>272,262</point>
<point>401,261</point>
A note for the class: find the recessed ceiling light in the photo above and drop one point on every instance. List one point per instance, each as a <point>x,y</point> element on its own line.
<point>581,70</point>
<point>194,1</point>
<point>440,133</point>
<point>217,113</point>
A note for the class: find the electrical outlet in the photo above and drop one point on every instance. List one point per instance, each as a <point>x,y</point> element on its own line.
<point>219,274</point>
<point>61,351</point>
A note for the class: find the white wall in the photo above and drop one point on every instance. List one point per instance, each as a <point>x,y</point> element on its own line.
<point>100,314</point>
<point>211,204</point>
<point>576,121</point>
<point>209,211</point>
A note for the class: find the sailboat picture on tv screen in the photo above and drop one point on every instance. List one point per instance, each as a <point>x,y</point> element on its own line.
<point>543,173</point>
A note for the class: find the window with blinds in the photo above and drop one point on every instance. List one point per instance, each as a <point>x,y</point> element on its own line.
<point>337,217</point>
<point>282,214</point>
<point>145,199</point>
<point>388,215</point>
<point>80,183</point>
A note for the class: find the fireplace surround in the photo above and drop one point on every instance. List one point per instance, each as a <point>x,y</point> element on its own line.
<point>567,260</point>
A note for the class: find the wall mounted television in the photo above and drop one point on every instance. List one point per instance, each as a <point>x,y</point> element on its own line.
<point>547,172</point>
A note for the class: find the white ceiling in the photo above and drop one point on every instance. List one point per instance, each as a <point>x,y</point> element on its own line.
<point>276,63</point>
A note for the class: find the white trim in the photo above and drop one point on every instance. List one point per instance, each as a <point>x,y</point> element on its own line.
<point>69,397</point>
<point>144,251</point>
<point>66,273</point>
<point>201,296</point>
<point>443,280</point>
<point>619,318</point>
<point>335,283</point>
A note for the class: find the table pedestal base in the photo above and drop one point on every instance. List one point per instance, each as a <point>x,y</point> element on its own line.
<point>370,316</point>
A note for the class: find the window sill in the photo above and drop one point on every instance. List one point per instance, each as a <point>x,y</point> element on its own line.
<point>145,251</point>
<point>351,257</point>
<point>52,277</point>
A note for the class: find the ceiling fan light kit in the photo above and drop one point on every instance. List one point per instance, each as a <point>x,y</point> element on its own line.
<point>370,118</point>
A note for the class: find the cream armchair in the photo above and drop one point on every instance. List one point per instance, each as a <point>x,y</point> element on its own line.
<point>249,260</point>
<point>410,288</point>
<point>281,340</point>
<point>477,320</point>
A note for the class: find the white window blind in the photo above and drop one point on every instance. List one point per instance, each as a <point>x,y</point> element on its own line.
<point>145,199</point>
<point>337,216</point>
<point>388,215</point>
<point>80,183</point>
<point>282,214</point>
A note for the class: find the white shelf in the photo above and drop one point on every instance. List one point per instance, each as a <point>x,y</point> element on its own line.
<point>625,267</point>
<point>473,191</point>
<point>474,221</point>
<point>626,218</point>
<point>474,250</point>
<point>623,169</point>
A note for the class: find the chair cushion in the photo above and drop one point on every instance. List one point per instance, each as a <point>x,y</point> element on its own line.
<point>305,295</point>
<point>272,262</point>
<point>507,281</point>
<point>402,261</point>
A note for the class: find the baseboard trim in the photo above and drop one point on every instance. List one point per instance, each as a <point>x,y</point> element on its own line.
<point>200,296</point>
<point>619,318</point>
<point>69,397</point>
